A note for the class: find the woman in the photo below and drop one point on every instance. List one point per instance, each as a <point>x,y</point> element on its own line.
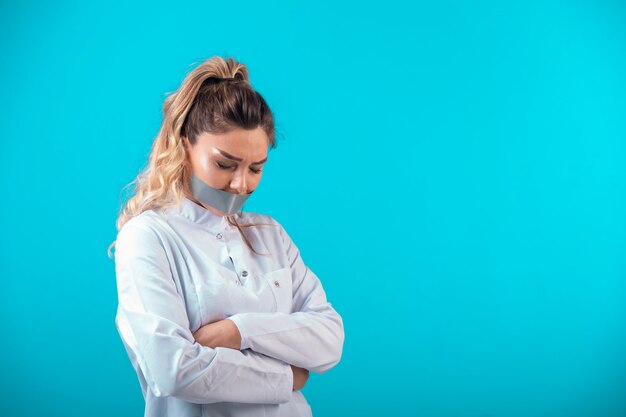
<point>217,311</point>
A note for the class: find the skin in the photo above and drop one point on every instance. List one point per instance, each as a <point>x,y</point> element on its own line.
<point>238,177</point>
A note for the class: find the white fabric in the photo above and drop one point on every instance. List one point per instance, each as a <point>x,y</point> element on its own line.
<point>182,267</point>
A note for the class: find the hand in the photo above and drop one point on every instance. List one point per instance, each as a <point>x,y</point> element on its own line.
<point>300,376</point>
<point>222,333</point>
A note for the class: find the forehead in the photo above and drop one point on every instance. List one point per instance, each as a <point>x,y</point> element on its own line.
<point>247,144</point>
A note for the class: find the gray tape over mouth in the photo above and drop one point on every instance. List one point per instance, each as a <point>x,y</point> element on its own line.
<point>224,201</point>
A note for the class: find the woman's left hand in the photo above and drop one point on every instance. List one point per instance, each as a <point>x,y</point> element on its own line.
<point>223,333</point>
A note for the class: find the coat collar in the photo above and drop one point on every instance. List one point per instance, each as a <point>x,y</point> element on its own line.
<point>200,215</point>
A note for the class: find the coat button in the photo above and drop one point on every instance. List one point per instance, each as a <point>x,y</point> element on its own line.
<point>219,235</point>
<point>244,273</point>
<point>276,283</point>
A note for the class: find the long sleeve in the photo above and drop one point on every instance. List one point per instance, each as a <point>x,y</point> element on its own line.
<point>311,336</point>
<point>153,324</point>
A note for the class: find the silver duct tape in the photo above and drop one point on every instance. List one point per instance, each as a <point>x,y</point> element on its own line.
<point>224,201</point>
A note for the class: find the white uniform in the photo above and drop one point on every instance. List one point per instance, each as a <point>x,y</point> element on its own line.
<point>183,267</point>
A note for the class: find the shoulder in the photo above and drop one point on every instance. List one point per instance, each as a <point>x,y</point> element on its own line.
<point>277,230</point>
<point>142,229</point>
<point>253,217</point>
<point>149,219</point>
<point>267,221</point>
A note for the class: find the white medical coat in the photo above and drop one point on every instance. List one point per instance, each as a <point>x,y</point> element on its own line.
<point>182,267</point>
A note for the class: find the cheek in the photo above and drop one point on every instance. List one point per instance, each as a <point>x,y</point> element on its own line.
<point>254,181</point>
<point>212,174</point>
<point>205,165</point>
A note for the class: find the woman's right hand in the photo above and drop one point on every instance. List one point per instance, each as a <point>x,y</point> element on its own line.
<point>300,376</point>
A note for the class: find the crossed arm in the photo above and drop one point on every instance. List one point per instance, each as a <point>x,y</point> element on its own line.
<point>224,333</point>
<point>225,360</point>
<point>311,337</point>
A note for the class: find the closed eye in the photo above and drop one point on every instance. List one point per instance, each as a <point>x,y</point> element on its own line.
<point>225,166</point>
<point>222,166</point>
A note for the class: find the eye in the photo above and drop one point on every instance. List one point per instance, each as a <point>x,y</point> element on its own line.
<point>222,166</point>
<point>225,167</point>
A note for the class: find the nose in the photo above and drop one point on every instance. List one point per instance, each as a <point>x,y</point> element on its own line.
<point>239,182</point>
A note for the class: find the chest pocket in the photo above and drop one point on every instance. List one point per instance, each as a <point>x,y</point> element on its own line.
<point>281,285</point>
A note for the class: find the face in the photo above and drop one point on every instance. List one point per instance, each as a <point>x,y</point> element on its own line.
<point>231,161</point>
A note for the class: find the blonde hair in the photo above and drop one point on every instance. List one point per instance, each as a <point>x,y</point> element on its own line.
<point>215,97</point>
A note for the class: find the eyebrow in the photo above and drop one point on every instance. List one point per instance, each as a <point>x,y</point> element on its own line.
<point>234,158</point>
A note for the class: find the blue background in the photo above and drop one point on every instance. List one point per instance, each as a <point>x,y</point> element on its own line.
<point>453,171</point>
